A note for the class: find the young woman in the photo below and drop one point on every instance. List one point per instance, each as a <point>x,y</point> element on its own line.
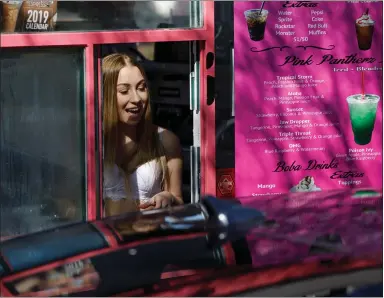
<point>142,162</point>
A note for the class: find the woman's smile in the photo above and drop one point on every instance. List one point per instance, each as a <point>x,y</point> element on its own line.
<point>134,111</point>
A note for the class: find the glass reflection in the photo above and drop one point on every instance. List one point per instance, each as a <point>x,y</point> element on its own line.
<point>179,219</point>
<point>42,169</point>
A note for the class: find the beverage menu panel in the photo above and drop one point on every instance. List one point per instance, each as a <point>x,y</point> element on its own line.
<point>308,96</point>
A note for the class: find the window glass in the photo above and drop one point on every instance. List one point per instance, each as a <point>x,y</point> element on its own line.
<point>50,15</point>
<point>42,169</point>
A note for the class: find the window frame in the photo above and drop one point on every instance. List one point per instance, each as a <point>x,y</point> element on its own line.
<point>90,41</point>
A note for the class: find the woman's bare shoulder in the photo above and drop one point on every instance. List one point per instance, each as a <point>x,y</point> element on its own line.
<point>170,141</point>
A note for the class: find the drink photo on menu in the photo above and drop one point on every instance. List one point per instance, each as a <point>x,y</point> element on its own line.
<point>256,22</point>
<point>362,111</point>
<point>307,184</point>
<point>364,31</point>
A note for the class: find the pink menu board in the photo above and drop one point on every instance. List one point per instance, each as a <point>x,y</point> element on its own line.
<point>308,96</point>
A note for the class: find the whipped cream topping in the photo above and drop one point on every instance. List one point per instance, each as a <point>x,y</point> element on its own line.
<point>306,184</point>
<point>365,20</point>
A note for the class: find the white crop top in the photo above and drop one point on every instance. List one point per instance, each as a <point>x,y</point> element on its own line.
<point>144,182</point>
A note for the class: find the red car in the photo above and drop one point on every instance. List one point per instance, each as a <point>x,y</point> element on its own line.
<point>291,245</point>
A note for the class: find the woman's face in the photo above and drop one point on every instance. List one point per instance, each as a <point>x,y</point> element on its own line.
<point>132,95</point>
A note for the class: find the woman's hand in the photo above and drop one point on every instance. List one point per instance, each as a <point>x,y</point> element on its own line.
<point>161,200</point>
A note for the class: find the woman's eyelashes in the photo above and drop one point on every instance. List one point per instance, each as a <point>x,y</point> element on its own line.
<point>140,88</point>
<point>124,92</point>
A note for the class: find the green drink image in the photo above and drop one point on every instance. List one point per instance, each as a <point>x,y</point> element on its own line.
<point>362,111</point>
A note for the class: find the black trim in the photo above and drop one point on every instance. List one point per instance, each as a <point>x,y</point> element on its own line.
<point>242,252</point>
<point>4,268</point>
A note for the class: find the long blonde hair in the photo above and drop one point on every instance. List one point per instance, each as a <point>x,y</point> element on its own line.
<point>148,146</point>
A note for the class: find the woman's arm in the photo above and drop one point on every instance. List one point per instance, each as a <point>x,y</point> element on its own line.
<point>172,194</point>
<point>175,165</point>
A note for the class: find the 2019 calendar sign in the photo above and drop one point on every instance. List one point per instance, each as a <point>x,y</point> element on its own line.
<point>29,16</point>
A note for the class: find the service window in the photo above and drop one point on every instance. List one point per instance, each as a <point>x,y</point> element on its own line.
<point>168,68</point>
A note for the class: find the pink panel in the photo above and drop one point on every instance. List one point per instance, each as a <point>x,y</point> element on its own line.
<point>100,127</point>
<point>295,117</point>
<point>91,132</point>
<point>84,38</point>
